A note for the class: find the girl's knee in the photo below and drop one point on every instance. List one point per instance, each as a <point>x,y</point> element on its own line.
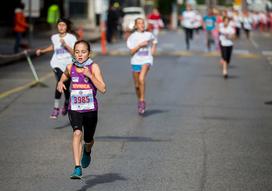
<point>141,81</point>
<point>77,133</point>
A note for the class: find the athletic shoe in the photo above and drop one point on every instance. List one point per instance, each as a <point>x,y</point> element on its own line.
<point>141,107</point>
<point>55,113</point>
<point>64,110</point>
<point>225,74</point>
<point>77,173</point>
<point>86,158</point>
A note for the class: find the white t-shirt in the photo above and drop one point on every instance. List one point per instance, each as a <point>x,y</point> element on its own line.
<point>188,19</point>
<point>198,21</point>
<point>237,20</point>
<point>143,55</point>
<point>61,56</point>
<point>224,33</point>
<point>247,22</point>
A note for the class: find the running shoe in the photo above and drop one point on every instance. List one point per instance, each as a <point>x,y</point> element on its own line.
<point>55,113</point>
<point>86,158</point>
<point>225,74</point>
<point>141,107</point>
<point>77,173</point>
<point>64,110</point>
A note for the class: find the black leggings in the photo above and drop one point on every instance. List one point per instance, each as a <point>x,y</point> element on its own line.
<point>58,74</point>
<point>87,120</point>
<point>188,36</point>
<point>237,32</point>
<point>226,52</point>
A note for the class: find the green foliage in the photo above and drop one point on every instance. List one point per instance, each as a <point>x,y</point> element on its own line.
<point>165,6</point>
<point>200,2</point>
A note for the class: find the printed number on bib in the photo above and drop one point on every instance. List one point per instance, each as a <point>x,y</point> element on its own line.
<point>82,100</point>
<point>143,52</point>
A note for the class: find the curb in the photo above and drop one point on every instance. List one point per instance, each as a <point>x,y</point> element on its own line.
<point>181,54</point>
<point>13,58</point>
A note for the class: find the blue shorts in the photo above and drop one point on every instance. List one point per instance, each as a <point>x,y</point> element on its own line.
<point>137,68</point>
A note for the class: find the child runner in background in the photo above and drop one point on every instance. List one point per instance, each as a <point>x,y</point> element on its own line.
<point>187,21</point>
<point>62,45</point>
<point>209,22</point>
<point>226,36</point>
<point>142,46</point>
<point>86,79</point>
<point>155,22</point>
<point>247,23</point>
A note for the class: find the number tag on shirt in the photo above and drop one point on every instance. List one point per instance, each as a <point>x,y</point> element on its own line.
<point>82,100</point>
<point>143,52</point>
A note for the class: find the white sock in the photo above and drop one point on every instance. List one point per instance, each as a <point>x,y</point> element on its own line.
<point>56,103</point>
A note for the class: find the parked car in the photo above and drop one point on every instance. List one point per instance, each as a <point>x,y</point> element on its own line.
<point>130,14</point>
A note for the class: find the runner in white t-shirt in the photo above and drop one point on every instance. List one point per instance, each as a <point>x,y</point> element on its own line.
<point>142,46</point>
<point>62,45</point>
<point>247,23</point>
<point>188,19</point>
<point>226,36</point>
<point>237,19</point>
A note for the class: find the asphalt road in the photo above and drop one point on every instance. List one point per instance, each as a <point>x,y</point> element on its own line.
<point>200,132</point>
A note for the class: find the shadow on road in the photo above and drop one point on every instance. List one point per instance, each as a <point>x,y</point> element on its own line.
<point>128,139</point>
<point>62,126</point>
<point>93,180</point>
<point>230,76</point>
<point>153,112</point>
<point>268,102</point>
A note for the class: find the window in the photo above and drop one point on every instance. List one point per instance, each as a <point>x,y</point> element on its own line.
<point>78,8</point>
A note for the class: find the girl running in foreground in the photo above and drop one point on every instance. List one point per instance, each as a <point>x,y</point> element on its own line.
<point>86,79</point>
<point>142,46</point>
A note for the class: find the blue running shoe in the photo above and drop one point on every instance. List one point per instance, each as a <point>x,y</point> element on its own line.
<point>77,173</point>
<point>86,158</point>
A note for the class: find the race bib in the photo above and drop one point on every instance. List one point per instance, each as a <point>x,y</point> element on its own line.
<point>62,53</point>
<point>82,100</point>
<point>143,52</point>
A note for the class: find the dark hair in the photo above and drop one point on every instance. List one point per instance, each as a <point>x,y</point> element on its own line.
<point>84,42</point>
<point>226,18</point>
<point>21,5</point>
<point>67,22</point>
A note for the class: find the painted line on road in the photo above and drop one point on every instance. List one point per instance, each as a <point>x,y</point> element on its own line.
<point>254,43</point>
<point>269,59</point>
<point>267,53</point>
<point>26,86</point>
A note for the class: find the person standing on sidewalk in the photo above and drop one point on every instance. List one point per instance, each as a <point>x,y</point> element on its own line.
<point>187,21</point>
<point>86,79</point>
<point>142,46</point>
<point>226,37</point>
<point>53,14</point>
<point>20,26</point>
<point>62,45</point>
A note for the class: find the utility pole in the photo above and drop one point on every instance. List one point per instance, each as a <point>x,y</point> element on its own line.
<point>244,5</point>
<point>211,3</point>
<point>30,35</point>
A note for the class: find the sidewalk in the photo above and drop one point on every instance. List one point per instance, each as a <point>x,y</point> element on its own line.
<point>39,40</point>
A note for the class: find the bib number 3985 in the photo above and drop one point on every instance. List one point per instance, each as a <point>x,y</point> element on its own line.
<point>82,100</point>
